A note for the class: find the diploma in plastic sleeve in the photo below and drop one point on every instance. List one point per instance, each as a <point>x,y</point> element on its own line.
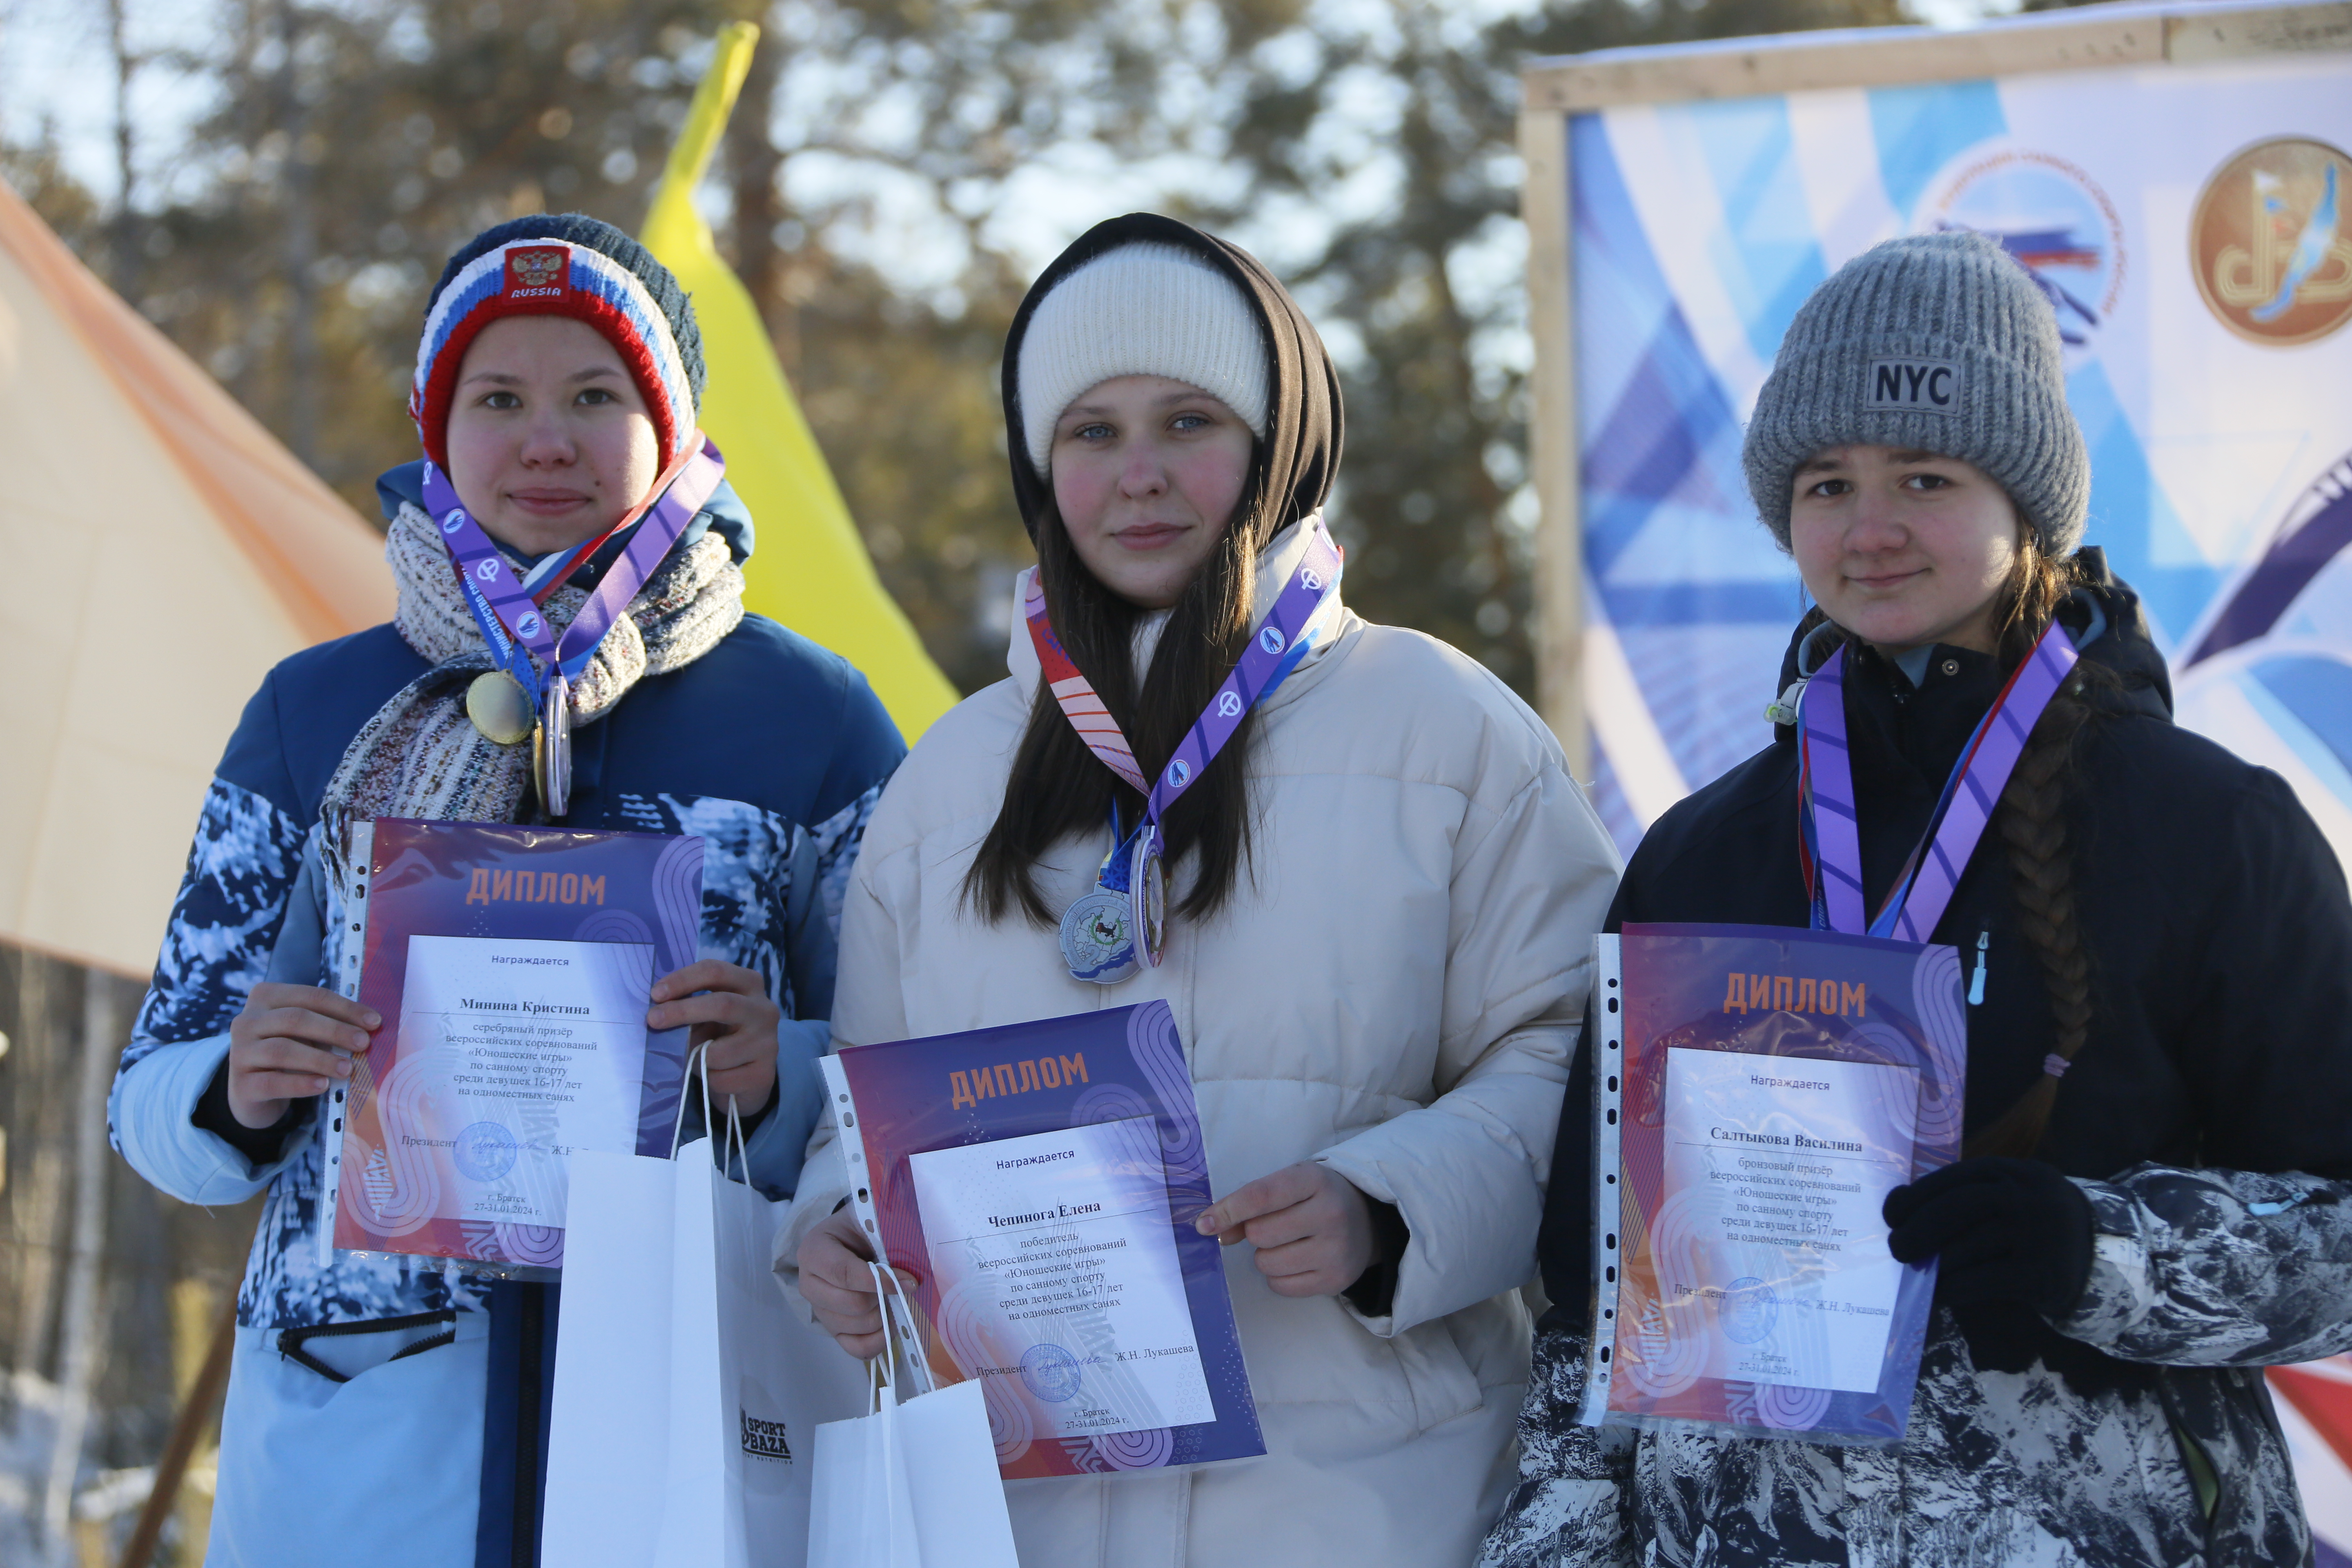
<point>513,967</point>
<point>1758,1092</point>
<point>1040,1183</point>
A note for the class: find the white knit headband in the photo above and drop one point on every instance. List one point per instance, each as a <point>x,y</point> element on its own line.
<point>1142,310</point>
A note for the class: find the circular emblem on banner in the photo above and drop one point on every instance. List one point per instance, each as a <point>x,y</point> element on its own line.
<point>455,521</point>
<point>1179,774</point>
<point>487,571</point>
<point>2271,245</point>
<point>528,623</point>
<point>2051,217</point>
<point>1272,640</point>
<point>1229,706</point>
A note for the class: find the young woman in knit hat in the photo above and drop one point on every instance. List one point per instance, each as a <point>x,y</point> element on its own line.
<point>1381,894</point>
<point>2157,1132</point>
<point>391,1410</point>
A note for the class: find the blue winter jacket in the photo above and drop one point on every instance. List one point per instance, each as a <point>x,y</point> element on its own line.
<point>770,749</point>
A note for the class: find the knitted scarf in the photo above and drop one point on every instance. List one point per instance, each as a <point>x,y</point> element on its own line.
<point>421,757</point>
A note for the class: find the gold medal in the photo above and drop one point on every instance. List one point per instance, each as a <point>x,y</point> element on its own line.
<point>501,708</point>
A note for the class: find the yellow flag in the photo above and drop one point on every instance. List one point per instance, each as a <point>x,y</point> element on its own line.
<point>810,570</point>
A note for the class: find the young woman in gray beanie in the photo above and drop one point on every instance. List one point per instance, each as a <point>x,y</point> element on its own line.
<point>2158,1119</point>
<point>1382,897</point>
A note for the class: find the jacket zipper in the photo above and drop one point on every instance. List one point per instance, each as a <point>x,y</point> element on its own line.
<point>1976,981</point>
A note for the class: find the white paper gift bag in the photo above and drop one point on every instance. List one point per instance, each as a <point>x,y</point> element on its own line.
<point>687,1392</point>
<point>780,1379</point>
<point>912,1485</point>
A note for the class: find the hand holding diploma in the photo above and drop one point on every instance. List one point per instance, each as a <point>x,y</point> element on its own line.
<point>289,1044</point>
<point>1312,1229</point>
<point>292,1041</point>
<point>734,1017</point>
<point>838,1286</point>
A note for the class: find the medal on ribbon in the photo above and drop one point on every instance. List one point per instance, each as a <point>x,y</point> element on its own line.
<point>1134,878</point>
<point>528,696</point>
<point>1829,842</point>
<point>1098,932</point>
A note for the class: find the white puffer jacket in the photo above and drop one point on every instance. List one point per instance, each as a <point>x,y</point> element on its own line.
<point>1395,991</point>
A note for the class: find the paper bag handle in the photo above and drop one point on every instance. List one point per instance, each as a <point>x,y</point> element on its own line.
<point>694,1059</point>
<point>878,1371</point>
<point>899,1336</point>
<point>731,1149</point>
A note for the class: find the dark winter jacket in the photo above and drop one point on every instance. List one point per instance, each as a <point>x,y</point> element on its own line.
<point>2208,1116</point>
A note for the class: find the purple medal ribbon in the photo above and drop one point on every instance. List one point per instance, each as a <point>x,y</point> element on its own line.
<point>514,626</point>
<point>505,607</point>
<point>1831,839</point>
<point>1274,650</point>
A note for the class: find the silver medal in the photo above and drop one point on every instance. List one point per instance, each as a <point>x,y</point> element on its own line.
<point>551,747</point>
<point>1148,901</point>
<point>1097,938</point>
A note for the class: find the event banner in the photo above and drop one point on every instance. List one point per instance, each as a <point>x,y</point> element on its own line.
<point>512,967</point>
<point>1039,1183</point>
<point>1762,1090</point>
<point>2191,225</point>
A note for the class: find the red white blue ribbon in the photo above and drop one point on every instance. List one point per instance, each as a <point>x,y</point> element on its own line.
<point>1276,647</point>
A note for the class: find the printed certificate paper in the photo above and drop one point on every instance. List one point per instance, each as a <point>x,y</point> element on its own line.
<point>1039,1183</point>
<point>1063,1239</point>
<point>513,967</point>
<point>1782,1165</point>
<point>518,1053</point>
<point>1756,1092</point>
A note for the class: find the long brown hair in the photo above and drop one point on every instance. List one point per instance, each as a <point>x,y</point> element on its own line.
<point>2031,821</point>
<point>1058,788</point>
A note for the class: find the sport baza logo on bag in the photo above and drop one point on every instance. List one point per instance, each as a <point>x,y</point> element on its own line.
<point>1917,386</point>
<point>765,1439</point>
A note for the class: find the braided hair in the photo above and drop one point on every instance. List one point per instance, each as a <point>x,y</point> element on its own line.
<point>2031,821</point>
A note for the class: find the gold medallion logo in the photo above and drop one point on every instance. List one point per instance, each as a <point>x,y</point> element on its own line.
<point>2269,242</point>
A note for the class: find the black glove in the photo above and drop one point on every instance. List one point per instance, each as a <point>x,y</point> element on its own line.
<point>2005,1230</point>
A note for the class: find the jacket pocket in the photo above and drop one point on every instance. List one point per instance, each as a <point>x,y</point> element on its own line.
<point>1436,1373</point>
<point>342,1351</point>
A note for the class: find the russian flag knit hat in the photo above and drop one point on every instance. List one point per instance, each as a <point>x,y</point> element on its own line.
<point>562,264</point>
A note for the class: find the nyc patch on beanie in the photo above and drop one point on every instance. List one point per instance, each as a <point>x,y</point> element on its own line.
<point>1937,343</point>
<point>562,264</point>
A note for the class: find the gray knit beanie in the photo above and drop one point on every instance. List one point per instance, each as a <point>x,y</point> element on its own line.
<point>1939,342</point>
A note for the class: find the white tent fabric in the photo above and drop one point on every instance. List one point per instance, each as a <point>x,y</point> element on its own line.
<point>161,551</point>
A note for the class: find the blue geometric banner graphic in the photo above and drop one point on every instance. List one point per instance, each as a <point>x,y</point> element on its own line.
<point>2192,228</point>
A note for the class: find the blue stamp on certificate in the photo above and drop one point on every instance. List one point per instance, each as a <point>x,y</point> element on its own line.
<point>485,1151</point>
<point>1747,1310</point>
<point>1050,1373</point>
